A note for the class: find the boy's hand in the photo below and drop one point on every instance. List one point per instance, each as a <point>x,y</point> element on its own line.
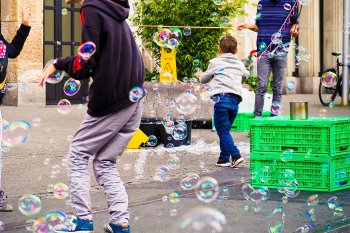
<point>46,73</point>
<point>25,16</point>
<point>294,31</point>
<point>242,26</point>
<point>199,74</point>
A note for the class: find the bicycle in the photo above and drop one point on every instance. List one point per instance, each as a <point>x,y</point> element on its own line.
<point>327,94</point>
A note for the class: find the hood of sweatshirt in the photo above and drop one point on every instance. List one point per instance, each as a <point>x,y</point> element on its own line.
<point>116,9</point>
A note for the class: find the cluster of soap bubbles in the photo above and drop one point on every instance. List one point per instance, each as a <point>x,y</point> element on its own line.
<point>169,38</point>
<point>53,221</point>
<point>15,134</point>
<point>162,173</point>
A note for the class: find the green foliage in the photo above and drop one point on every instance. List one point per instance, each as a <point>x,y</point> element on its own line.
<point>252,81</point>
<point>202,43</point>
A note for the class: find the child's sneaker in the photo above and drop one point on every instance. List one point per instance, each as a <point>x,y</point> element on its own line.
<point>236,161</point>
<point>4,206</point>
<point>223,163</point>
<point>79,225</point>
<point>112,228</point>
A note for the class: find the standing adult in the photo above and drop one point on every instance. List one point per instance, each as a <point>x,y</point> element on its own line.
<point>276,23</point>
<point>112,118</point>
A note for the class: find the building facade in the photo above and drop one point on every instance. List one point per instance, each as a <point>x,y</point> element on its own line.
<point>56,32</point>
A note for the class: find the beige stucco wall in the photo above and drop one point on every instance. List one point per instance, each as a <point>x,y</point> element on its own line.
<point>27,67</point>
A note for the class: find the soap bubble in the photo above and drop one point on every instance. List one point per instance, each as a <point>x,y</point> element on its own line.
<point>86,50</point>
<point>224,21</point>
<point>276,219</point>
<point>207,189</point>
<point>179,132</point>
<point>56,221</point>
<point>174,197</point>
<point>276,108</point>
<point>264,174</point>
<point>29,205</point>
<point>55,77</point>
<point>136,93</point>
<point>310,218</point>
<point>313,200</point>
<point>201,219</point>
<point>214,16</point>
<point>190,181</point>
<point>71,87</point>
<point>218,2</point>
<point>186,103</point>
<point>302,54</point>
<point>332,202</point>
<point>196,62</point>
<point>152,140</point>
<point>162,174</point>
<point>187,31</point>
<point>287,155</point>
<point>287,7</point>
<point>276,38</point>
<point>338,211</point>
<point>161,37</point>
<point>290,86</point>
<point>60,191</point>
<point>287,177</point>
<point>64,106</point>
<point>224,194</point>
<point>11,86</point>
<point>329,79</point>
<point>173,212</point>
<point>64,11</point>
<point>247,189</point>
<point>262,46</point>
<point>284,199</point>
<point>173,162</point>
<point>15,134</point>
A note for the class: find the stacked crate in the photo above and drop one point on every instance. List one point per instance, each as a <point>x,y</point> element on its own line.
<point>318,152</point>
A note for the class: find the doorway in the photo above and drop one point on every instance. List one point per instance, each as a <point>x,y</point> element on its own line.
<point>62,32</point>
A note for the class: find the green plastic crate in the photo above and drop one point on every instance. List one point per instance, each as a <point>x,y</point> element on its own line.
<point>315,173</point>
<point>242,121</point>
<point>327,136</point>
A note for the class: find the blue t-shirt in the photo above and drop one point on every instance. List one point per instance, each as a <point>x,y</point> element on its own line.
<point>274,19</point>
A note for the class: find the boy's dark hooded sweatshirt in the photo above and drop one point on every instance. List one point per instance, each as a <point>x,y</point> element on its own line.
<point>117,65</point>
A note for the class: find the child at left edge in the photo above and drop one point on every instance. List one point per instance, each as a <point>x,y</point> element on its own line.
<point>224,75</point>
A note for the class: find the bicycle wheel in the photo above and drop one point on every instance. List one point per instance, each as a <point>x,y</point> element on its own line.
<point>327,94</point>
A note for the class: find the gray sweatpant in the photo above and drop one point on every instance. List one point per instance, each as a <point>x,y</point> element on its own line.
<point>265,65</point>
<point>104,139</point>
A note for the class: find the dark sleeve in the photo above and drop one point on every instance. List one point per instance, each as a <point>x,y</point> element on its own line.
<point>76,66</point>
<point>14,48</point>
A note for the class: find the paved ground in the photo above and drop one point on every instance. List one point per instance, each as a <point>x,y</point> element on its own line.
<point>39,163</point>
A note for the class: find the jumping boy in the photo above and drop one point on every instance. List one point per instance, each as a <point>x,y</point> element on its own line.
<point>224,75</point>
<point>10,50</point>
<point>111,120</point>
